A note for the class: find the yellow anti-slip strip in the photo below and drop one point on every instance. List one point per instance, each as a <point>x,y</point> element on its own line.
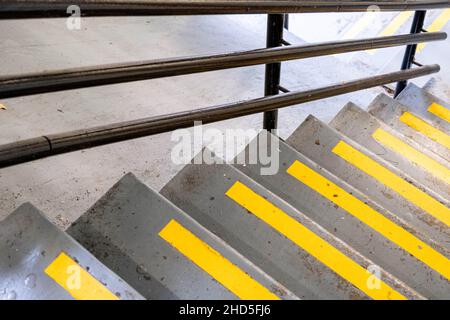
<point>77,281</point>
<point>437,25</point>
<point>362,23</point>
<point>372,218</point>
<point>439,111</point>
<point>388,178</point>
<point>412,154</point>
<point>425,129</point>
<point>395,24</point>
<point>310,242</point>
<point>213,263</point>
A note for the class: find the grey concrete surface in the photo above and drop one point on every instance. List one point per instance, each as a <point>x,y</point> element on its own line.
<point>360,126</point>
<point>344,224</point>
<point>389,110</point>
<point>201,191</point>
<point>122,230</point>
<point>438,88</point>
<point>418,101</point>
<point>29,244</point>
<point>316,140</point>
<point>66,186</point>
<point>327,27</point>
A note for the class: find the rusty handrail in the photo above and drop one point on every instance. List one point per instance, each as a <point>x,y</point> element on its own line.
<point>14,9</point>
<point>51,81</point>
<point>35,148</point>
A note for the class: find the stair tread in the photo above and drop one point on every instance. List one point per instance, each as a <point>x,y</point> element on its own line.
<point>349,215</point>
<point>405,206</point>
<point>125,230</point>
<point>419,102</point>
<point>400,151</point>
<point>438,88</point>
<point>389,110</point>
<point>203,190</point>
<point>27,236</point>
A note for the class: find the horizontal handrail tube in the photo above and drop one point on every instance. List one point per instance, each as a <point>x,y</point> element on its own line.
<point>35,148</point>
<point>26,84</point>
<point>10,9</point>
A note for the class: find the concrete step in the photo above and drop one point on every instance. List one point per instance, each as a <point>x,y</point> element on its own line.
<point>345,212</point>
<point>276,237</point>
<point>40,262</point>
<point>424,105</point>
<point>163,253</point>
<point>403,153</point>
<point>438,88</point>
<point>390,112</point>
<point>374,177</point>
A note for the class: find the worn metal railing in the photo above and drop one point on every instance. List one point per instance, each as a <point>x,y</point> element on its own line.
<point>13,9</point>
<point>50,81</point>
<point>272,56</point>
<point>410,53</point>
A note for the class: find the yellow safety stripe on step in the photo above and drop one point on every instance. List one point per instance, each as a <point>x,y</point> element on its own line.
<point>213,263</point>
<point>77,281</point>
<point>412,154</point>
<point>370,217</point>
<point>388,178</point>
<point>437,25</point>
<point>425,129</point>
<point>362,23</point>
<point>395,24</point>
<point>310,242</point>
<point>439,111</point>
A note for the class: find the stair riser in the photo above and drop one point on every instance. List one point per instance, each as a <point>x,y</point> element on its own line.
<point>317,141</point>
<point>401,152</point>
<point>30,244</point>
<point>389,111</point>
<point>141,234</point>
<point>347,214</point>
<point>202,190</point>
<point>438,89</point>
<point>420,102</point>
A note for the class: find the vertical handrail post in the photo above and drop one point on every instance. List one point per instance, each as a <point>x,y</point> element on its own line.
<point>286,21</point>
<point>410,53</point>
<point>275,26</point>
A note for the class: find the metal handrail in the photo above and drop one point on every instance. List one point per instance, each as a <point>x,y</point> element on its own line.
<point>13,9</point>
<point>410,52</point>
<point>51,81</point>
<point>40,147</point>
<point>26,150</point>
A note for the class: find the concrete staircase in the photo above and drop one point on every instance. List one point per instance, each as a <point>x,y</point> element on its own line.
<point>38,261</point>
<point>358,209</point>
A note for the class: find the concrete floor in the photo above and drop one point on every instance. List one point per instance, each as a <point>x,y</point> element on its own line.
<point>67,185</point>
<point>329,27</point>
